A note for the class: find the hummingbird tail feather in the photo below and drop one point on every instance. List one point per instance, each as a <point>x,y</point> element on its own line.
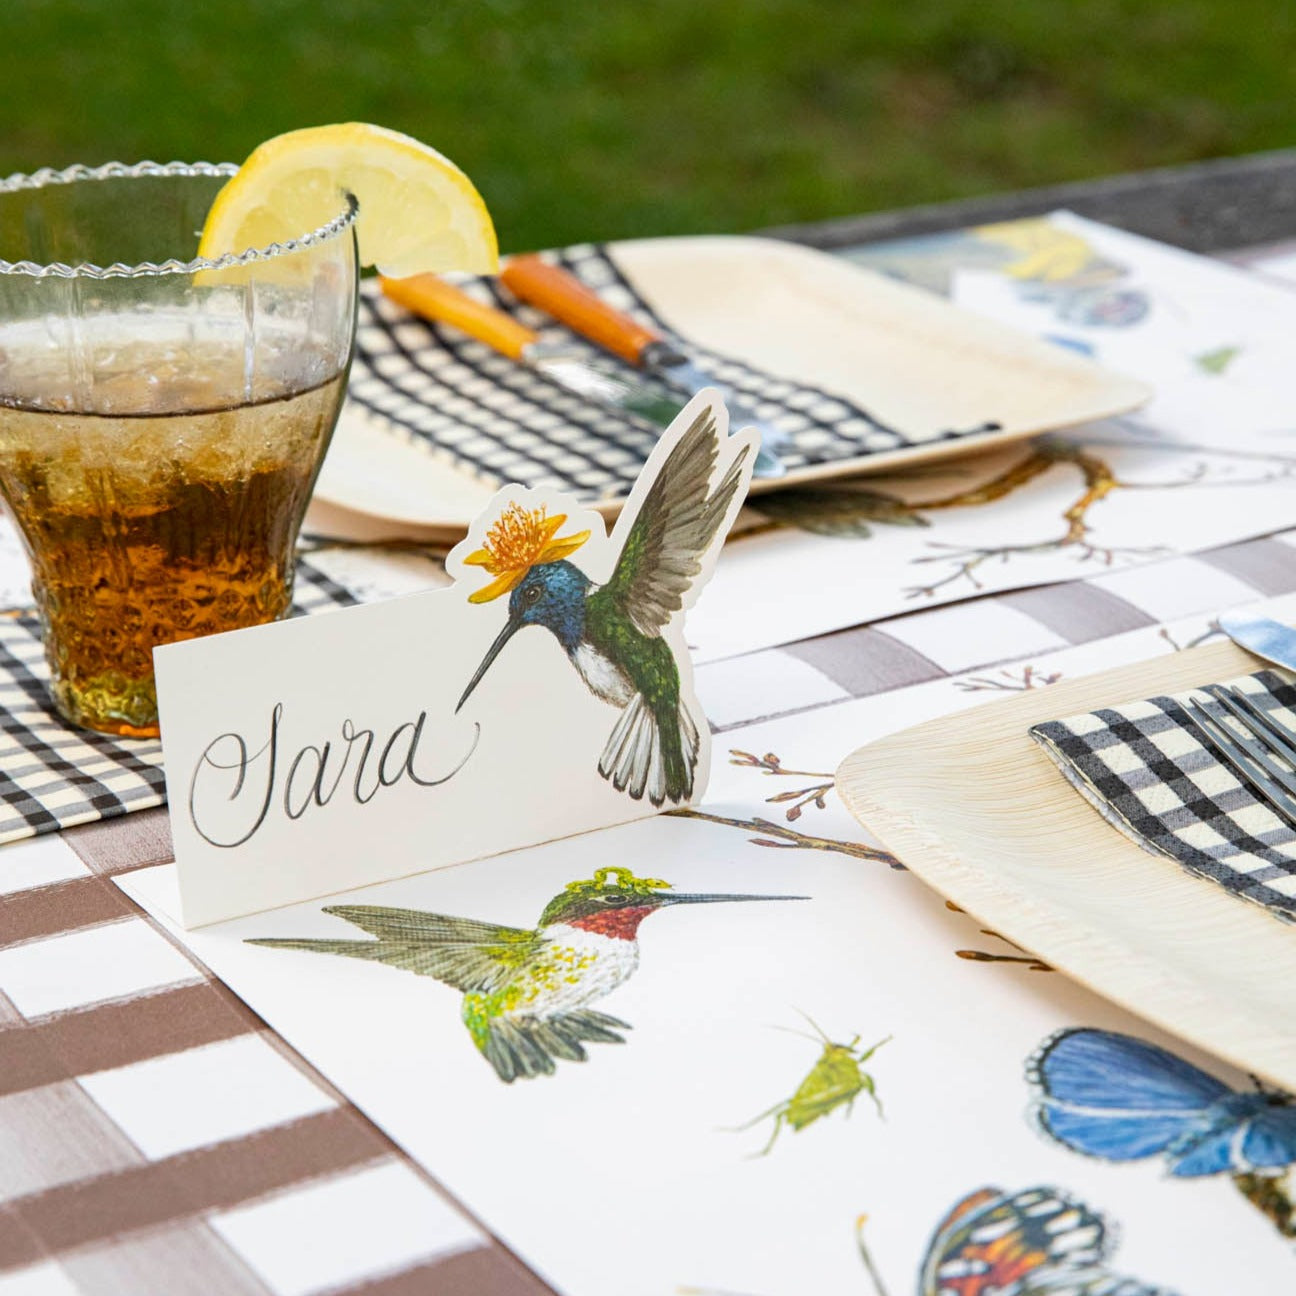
<point>678,748</point>
<point>510,1049</point>
<point>644,756</point>
<point>526,1047</point>
<point>597,1026</point>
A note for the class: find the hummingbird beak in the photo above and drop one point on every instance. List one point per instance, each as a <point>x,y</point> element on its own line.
<point>668,897</point>
<point>510,628</point>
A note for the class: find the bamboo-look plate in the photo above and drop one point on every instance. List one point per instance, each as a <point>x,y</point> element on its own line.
<point>790,313</point>
<point>974,807</point>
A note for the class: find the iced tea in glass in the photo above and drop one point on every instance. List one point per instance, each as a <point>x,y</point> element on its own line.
<point>162,417</point>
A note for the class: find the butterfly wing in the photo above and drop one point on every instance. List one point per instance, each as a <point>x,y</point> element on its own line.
<point>1243,1133</point>
<point>993,1243</point>
<point>1269,1140</point>
<point>1037,1242</point>
<point>1095,1282</point>
<point>1116,1097</point>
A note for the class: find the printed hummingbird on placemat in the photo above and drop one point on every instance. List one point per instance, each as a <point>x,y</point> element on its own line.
<point>526,991</point>
<point>612,633</point>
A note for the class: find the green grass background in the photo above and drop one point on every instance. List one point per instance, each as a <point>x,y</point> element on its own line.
<point>585,120</point>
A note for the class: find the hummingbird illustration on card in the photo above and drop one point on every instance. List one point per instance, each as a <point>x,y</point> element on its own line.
<point>614,605</point>
<point>546,692</point>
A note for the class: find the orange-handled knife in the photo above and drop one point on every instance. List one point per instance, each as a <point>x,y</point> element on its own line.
<point>432,298</point>
<point>559,293</point>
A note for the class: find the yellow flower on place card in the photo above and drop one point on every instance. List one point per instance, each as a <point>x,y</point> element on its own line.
<point>518,540</point>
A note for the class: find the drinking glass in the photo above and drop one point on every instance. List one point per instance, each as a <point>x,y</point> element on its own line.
<point>162,417</point>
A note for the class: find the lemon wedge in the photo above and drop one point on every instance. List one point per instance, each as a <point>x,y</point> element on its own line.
<point>418,212</point>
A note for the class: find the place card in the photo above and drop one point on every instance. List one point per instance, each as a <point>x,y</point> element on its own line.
<point>546,692</point>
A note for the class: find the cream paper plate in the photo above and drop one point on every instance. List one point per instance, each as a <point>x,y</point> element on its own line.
<point>794,313</point>
<point>976,809</point>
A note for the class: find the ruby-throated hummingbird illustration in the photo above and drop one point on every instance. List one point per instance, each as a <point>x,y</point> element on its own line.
<point>526,992</point>
<point>612,633</point>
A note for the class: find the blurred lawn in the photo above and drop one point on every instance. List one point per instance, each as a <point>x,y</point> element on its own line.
<point>585,120</point>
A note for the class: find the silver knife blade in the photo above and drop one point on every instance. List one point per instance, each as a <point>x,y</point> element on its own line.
<point>672,366</point>
<point>1263,636</point>
<point>436,299</point>
<point>558,292</point>
<point>649,401</point>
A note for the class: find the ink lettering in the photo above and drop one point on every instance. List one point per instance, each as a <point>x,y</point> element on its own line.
<point>231,792</point>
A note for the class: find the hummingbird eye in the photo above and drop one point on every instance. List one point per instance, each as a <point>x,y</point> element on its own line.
<point>531,594</point>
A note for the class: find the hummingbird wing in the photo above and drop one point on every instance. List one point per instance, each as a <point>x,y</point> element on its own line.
<point>673,530</point>
<point>463,952</point>
<point>653,749</point>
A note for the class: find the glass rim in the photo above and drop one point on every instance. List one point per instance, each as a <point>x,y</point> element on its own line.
<point>47,177</point>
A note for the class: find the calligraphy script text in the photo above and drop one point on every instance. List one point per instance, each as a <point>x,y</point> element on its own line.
<point>230,783</point>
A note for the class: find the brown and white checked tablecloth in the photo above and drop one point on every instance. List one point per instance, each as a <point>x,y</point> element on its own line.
<point>157,1140</point>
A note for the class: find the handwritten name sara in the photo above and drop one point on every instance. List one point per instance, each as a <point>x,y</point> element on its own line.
<point>233,791</point>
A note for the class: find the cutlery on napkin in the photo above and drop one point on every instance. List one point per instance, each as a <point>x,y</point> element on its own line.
<point>1147,768</point>
<point>433,298</point>
<point>553,290</point>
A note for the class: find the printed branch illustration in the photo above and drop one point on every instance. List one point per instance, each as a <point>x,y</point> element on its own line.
<point>852,513</point>
<point>1030,961</point>
<point>781,836</point>
<point>769,764</point>
<point>778,836</point>
<point>1009,680</point>
<point>1099,481</point>
<point>1212,631</point>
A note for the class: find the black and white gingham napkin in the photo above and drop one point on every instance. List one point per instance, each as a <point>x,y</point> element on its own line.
<point>1146,770</point>
<point>52,775</point>
<point>502,422</point>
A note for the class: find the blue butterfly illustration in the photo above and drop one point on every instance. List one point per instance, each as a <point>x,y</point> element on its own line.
<point>1122,1099</point>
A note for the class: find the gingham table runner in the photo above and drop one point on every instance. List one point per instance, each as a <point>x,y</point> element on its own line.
<point>53,775</point>
<point>1146,769</point>
<point>502,422</point>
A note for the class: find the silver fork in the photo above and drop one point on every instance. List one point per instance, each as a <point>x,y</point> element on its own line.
<point>1265,759</point>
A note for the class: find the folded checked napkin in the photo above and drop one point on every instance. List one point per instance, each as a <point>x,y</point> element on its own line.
<point>1145,768</point>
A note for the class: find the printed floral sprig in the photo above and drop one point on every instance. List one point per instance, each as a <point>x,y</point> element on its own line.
<point>1010,680</point>
<point>779,836</point>
<point>801,797</point>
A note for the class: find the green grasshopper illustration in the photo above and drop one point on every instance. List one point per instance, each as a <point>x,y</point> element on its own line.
<point>837,1077</point>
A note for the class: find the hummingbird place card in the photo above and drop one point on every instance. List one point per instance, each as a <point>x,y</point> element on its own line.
<point>546,692</point>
